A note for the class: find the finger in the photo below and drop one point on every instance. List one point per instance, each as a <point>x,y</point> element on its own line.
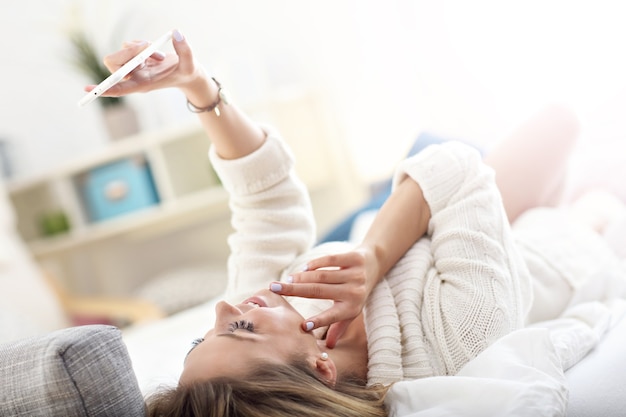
<point>335,314</point>
<point>183,50</point>
<point>115,60</point>
<point>157,55</point>
<point>326,318</point>
<point>322,276</point>
<point>316,290</point>
<point>131,44</point>
<point>340,260</point>
<point>335,331</point>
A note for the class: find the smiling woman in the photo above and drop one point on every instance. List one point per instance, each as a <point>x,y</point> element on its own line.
<point>267,329</point>
<point>439,277</point>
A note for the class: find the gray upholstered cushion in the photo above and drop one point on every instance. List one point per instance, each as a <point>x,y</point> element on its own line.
<point>80,371</point>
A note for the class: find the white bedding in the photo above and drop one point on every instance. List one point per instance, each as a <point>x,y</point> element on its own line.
<point>523,374</point>
<point>520,375</point>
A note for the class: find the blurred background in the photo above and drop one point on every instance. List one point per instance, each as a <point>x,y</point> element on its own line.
<point>388,69</point>
<point>350,83</point>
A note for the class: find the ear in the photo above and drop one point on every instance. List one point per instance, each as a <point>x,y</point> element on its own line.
<point>327,370</point>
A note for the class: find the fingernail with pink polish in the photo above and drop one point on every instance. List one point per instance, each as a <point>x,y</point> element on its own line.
<point>309,326</point>
<point>276,287</point>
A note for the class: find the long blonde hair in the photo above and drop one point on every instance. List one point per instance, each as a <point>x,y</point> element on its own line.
<point>270,390</point>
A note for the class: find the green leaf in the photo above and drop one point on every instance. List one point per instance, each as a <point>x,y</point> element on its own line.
<point>87,60</point>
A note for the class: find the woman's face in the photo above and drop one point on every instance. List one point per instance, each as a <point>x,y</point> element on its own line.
<point>264,328</point>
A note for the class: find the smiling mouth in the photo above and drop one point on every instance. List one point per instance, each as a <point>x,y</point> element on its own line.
<point>255,302</point>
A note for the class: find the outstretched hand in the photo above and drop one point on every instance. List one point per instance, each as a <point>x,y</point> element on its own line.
<point>160,70</point>
<point>346,278</point>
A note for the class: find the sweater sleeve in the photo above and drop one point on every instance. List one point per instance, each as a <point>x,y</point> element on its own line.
<point>272,216</point>
<point>479,288</point>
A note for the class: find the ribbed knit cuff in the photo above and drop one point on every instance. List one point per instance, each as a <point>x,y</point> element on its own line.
<point>440,171</point>
<point>257,171</point>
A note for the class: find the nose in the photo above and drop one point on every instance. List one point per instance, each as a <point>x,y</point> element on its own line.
<point>223,310</point>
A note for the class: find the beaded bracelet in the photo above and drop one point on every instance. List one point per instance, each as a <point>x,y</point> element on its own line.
<point>222,97</point>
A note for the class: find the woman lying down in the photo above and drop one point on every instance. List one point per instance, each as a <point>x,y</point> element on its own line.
<point>439,276</point>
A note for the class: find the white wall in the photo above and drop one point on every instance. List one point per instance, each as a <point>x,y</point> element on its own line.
<point>390,69</point>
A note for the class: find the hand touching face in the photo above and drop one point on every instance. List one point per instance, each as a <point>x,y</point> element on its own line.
<point>346,278</point>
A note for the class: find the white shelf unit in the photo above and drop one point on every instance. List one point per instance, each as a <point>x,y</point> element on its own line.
<point>184,180</point>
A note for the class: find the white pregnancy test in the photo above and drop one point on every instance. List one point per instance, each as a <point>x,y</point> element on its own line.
<point>125,69</point>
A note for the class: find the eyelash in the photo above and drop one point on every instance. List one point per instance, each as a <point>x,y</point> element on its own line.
<point>241,325</point>
<point>235,325</point>
<point>194,343</point>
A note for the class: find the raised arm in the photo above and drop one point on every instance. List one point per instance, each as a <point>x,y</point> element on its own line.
<point>272,214</point>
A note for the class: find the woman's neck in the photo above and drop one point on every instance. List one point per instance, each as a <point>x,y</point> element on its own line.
<point>350,352</point>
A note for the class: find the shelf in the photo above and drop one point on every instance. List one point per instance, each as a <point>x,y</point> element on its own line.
<point>187,188</point>
<point>206,204</point>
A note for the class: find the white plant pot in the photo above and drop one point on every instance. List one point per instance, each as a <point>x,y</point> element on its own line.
<point>120,121</point>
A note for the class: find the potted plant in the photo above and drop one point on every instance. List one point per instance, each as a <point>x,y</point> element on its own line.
<point>120,119</point>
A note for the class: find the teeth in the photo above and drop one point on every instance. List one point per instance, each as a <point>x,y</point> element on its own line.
<point>250,303</point>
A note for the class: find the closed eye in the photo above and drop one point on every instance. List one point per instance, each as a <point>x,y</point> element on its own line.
<point>241,325</point>
<point>194,343</point>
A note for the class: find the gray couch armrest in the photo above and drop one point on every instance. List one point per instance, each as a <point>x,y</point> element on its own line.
<point>79,371</point>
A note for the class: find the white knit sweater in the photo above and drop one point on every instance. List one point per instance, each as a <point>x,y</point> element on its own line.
<point>453,293</point>
<point>458,289</point>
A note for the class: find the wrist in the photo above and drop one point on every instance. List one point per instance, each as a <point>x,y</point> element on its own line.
<point>222,100</point>
<point>374,262</point>
<point>201,90</point>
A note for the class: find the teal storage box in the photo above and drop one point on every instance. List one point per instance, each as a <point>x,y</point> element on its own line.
<point>118,188</point>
